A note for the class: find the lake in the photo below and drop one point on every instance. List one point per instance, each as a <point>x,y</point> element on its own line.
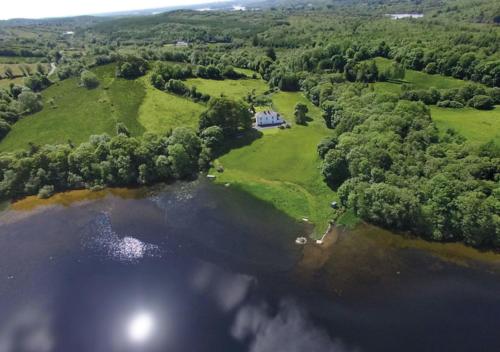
<point>398,16</point>
<point>201,267</point>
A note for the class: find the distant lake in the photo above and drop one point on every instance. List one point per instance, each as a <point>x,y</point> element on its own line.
<point>397,16</point>
<point>201,267</point>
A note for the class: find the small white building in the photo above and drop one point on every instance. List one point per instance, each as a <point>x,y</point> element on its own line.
<point>268,118</point>
<point>181,43</point>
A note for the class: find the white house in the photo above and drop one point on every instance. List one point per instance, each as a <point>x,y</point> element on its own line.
<point>268,118</point>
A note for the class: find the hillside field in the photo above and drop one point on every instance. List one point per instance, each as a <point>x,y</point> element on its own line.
<point>161,111</point>
<point>74,113</point>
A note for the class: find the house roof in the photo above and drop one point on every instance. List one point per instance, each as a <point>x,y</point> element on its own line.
<point>267,113</point>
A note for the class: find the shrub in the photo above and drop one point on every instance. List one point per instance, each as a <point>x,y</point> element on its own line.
<point>30,102</point>
<point>46,192</point>
<point>450,104</point>
<point>131,67</point>
<point>4,128</point>
<point>89,79</point>
<point>481,102</point>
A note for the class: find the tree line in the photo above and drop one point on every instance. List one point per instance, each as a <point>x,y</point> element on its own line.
<point>391,166</point>
<point>122,160</point>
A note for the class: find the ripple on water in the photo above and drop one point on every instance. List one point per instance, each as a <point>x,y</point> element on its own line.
<point>104,240</point>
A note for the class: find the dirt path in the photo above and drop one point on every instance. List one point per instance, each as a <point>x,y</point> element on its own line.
<point>52,69</point>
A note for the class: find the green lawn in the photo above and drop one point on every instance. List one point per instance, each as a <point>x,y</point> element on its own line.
<point>77,113</point>
<point>420,80</point>
<point>234,89</point>
<point>161,111</point>
<point>282,167</point>
<point>476,125</point>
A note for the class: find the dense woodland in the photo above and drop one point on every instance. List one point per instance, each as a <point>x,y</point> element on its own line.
<point>386,158</point>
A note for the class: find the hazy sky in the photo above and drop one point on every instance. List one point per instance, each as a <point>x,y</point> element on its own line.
<point>58,8</point>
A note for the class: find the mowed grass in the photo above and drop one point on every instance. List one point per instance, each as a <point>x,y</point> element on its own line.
<point>419,80</point>
<point>161,111</point>
<point>478,126</point>
<point>282,167</point>
<point>234,89</point>
<point>76,112</point>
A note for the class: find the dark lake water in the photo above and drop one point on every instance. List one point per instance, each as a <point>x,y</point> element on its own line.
<point>199,267</point>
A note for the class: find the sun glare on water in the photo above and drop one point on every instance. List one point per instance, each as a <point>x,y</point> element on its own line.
<point>140,327</point>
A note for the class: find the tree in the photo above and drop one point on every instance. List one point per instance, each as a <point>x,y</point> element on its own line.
<point>8,72</point>
<point>335,169</point>
<point>30,102</point>
<point>398,71</point>
<point>37,82</point>
<point>179,160</point>
<point>121,128</point>
<point>212,137</point>
<point>289,82</point>
<point>231,116</point>
<point>177,87</point>
<point>188,139</point>
<point>131,67</point>
<point>300,112</point>
<point>4,128</point>
<point>40,69</point>
<point>270,53</point>
<point>481,102</point>
<point>88,79</point>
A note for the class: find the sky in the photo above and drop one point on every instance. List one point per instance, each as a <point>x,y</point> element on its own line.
<point>59,8</point>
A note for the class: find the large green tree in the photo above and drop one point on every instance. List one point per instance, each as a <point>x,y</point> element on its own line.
<point>230,115</point>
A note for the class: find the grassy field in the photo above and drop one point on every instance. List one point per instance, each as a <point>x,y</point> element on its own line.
<point>16,68</point>
<point>476,125</point>
<point>234,89</point>
<point>420,80</point>
<point>5,83</point>
<point>74,113</point>
<point>18,59</point>
<point>282,167</point>
<point>161,111</point>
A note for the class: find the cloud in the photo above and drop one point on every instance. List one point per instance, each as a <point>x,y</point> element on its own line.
<point>289,330</point>
<point>56,8</point>
<point>228,290</point>
<point>28,331</point>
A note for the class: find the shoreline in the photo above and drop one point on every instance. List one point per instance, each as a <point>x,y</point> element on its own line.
<point>316,251</point>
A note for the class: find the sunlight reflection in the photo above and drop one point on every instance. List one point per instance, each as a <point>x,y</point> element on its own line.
<point>140,327</point>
